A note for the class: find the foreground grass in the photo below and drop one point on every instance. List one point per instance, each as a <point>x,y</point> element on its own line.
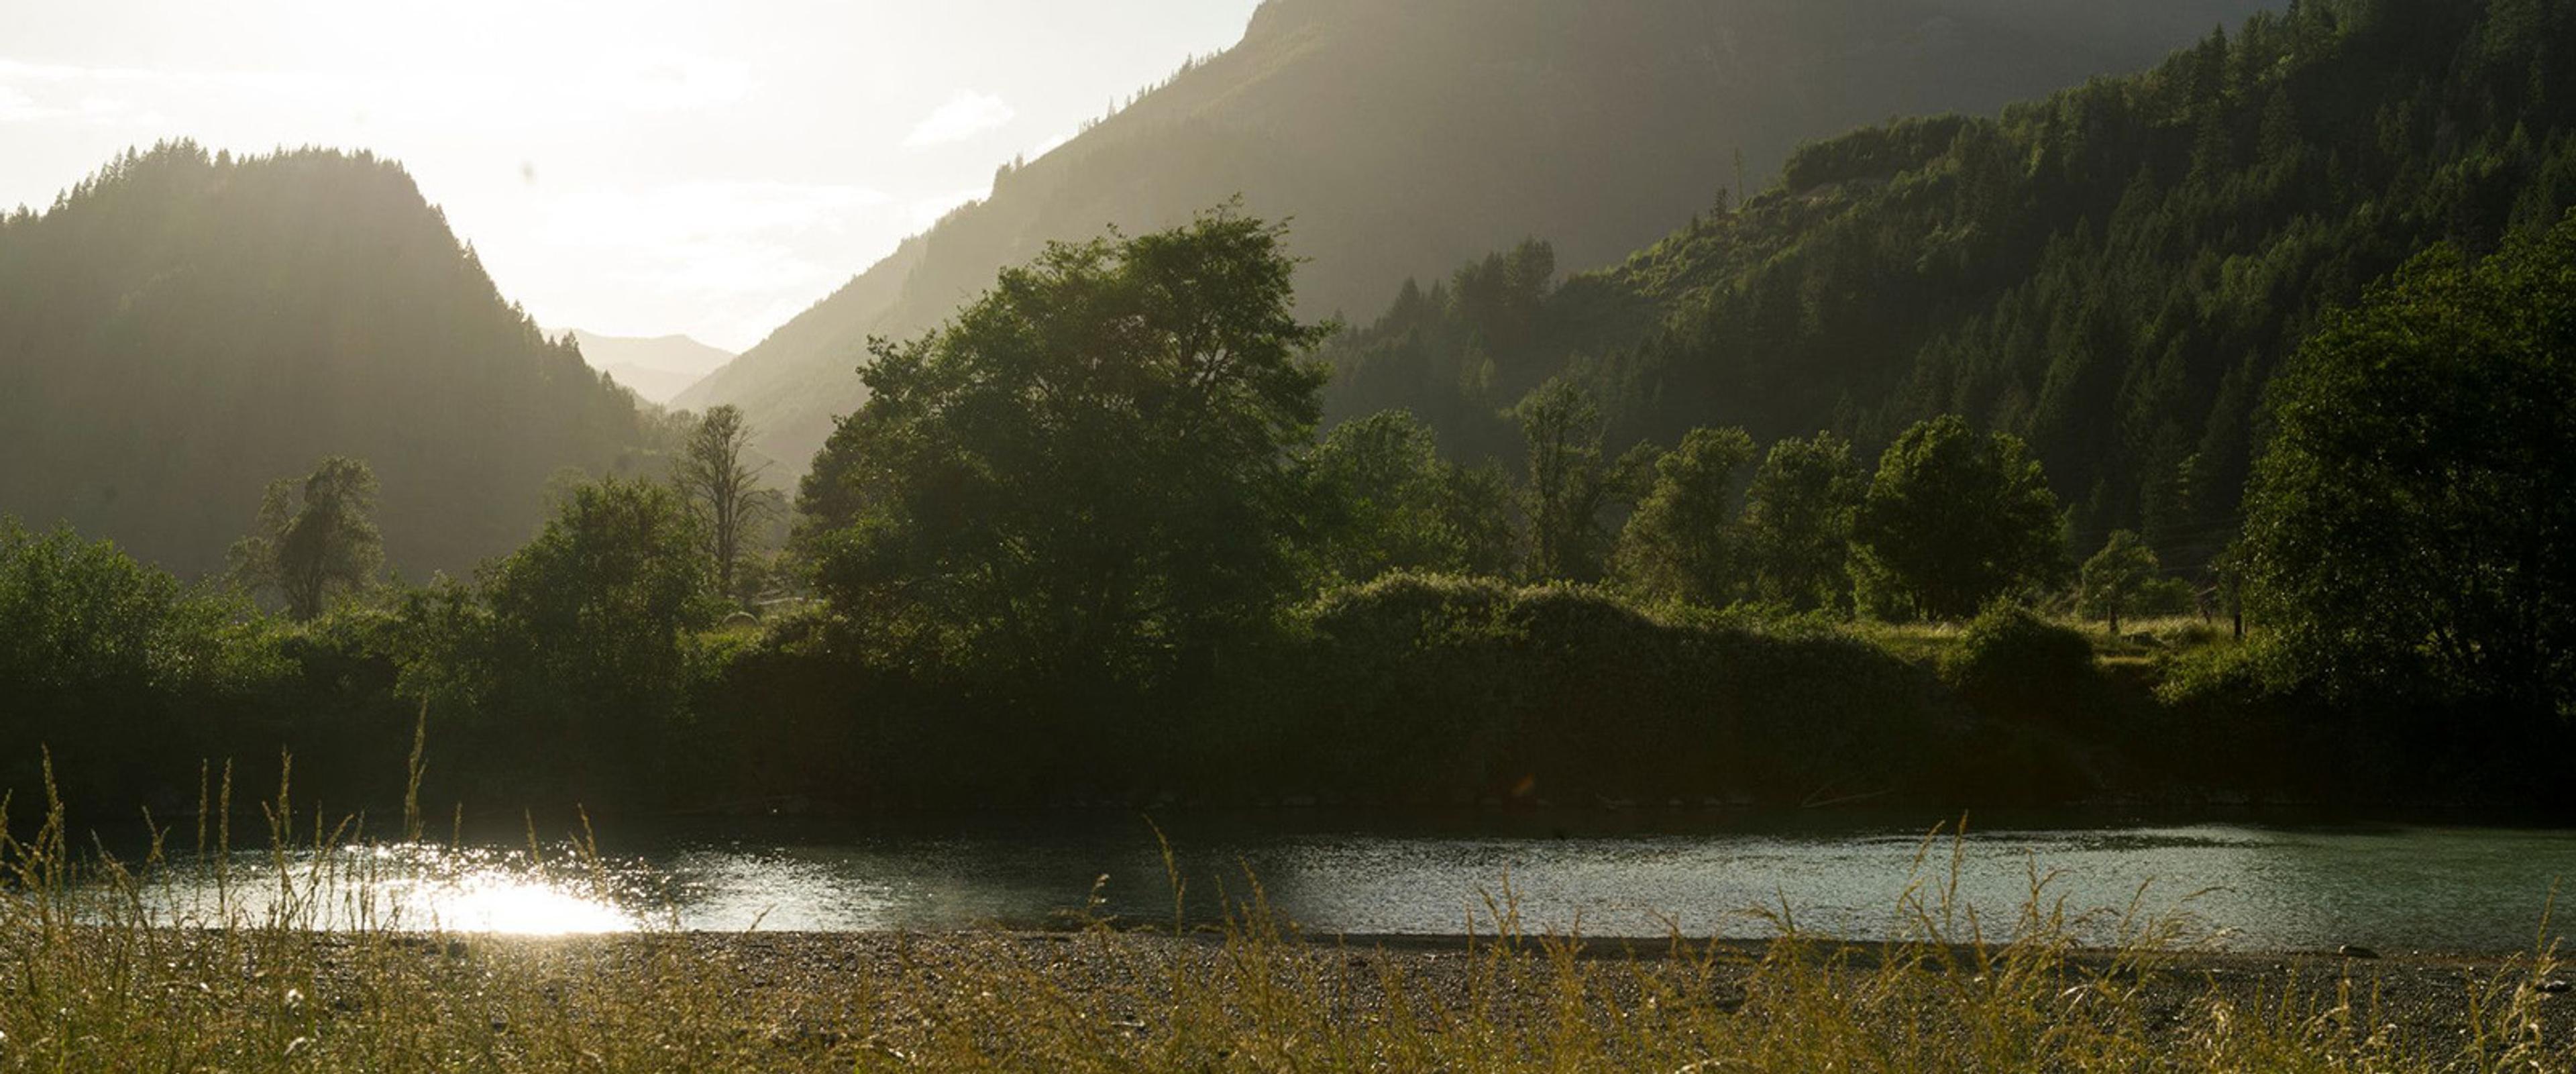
<point>95,976</point>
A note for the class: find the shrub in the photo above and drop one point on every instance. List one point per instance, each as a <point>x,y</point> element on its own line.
<point>2012,663</point>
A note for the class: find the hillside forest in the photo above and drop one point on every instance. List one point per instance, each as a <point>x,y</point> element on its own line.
<point>2201,435</point>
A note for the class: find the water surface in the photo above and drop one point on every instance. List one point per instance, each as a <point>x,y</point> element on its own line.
<point>1642,874</point>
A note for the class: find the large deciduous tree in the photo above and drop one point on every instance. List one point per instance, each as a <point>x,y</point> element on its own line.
<point>1955,519</point>
<point>722,488</point>
<point>316,538</point>
<point>1684,541</point>
<point>2414,520</point>
<point>1089,470</point>
<point>1386,501</point>
<point>1571,492</point>
<point>584,644</point>
<point>1798,521</point>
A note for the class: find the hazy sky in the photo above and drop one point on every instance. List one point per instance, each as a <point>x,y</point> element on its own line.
<point>633,168</point>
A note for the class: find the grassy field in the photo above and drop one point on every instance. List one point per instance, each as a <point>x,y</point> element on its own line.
<point>2140,641</point>
<point>96,974</point>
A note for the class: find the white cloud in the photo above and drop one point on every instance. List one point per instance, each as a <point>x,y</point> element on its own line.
<point>719,260</point>
<point>964,116</point>
<point>16,107</point>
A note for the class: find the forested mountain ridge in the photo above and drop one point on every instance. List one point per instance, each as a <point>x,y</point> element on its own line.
<point>1402,137</point>
<point>2113,272</point>
<point>183,328</point>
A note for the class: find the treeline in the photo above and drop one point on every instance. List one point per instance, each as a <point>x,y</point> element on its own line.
<point>2113,274</point>
<point>1086,544</point>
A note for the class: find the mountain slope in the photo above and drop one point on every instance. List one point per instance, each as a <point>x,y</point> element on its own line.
<point>2113,272</point>
<point>1405,135</point>
<point>657,368</point>
<point>181,329</point>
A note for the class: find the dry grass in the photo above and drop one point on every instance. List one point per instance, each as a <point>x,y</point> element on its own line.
<point>100,977</point>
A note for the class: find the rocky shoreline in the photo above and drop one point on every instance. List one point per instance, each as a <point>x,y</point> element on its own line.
<point>828,988</point>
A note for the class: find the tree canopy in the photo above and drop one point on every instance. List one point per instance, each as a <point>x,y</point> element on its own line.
<point>1798,516</point>
<point>1684,540</point>
<point>2415,519</point>
<point>316,539</point>
<point>1090,469</point>
<point>1955,519</point>
<point>2111,273</point>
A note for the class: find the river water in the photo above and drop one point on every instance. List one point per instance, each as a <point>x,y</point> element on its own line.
<point>1646,874</point>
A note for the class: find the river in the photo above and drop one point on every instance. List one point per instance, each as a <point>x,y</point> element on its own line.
<point>2270,885</point>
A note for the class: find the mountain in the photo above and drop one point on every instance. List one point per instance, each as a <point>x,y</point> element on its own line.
<point>2113,272</point>
<point>1403,136</point>
<point>657,368</point>
<point>180,329</point>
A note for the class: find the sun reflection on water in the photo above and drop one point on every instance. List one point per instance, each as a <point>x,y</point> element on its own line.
<point>405,888</point>
<point>495,901</point>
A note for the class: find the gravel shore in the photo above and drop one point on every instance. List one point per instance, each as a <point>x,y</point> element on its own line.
<point>826,989</point>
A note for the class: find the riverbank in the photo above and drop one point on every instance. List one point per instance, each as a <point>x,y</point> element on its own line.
<point>1250,1000</point>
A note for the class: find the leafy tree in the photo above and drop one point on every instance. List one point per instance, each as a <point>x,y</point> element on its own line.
<point>1798,521</point>
<point>1955,519</point>
<point>1386,501</point>
<point>1569,488</point>
<point>723,490</point>
<point>583,645</point>
<point>1090,468</point>
<point>317,538</point>
<point>2115,576</point>
<point>1684,540</point>
<point>2415,518</point>
<point>118,668</point>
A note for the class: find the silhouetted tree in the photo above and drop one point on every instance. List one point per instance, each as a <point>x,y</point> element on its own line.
<point>316,538</point>
<point>582,645</point>
<point>723,490</point>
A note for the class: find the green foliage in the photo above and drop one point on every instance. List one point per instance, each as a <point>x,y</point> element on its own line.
<point>1684,540</point>
<point>117,668</point>
<point>2118,576</point>
<point>1425,687</point>
<point>2112,273</point>
<point>1571,494</point>
<point>1384,500</point>
<point>1954,519</point>
<point>1089,470</point>
<point>2413,522</point>
<point>1798,517</point>
<point>2013,663</point>
<point>183,327</point>
<point>316,540</point>
<point>578,654</point>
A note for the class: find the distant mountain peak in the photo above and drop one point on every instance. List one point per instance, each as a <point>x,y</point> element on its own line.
<point>658,368</point>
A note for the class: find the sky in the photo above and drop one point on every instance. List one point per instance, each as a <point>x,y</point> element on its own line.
<point>642,168</point>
